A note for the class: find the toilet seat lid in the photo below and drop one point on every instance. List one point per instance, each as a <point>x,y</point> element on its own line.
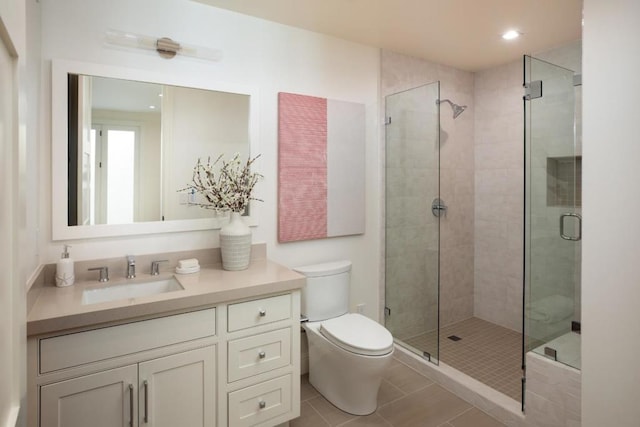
<point>358,334</point>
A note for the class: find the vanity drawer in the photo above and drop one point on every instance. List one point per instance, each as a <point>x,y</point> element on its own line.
<point>261,402</point>
<point>259,353</point>
<point>75,349</point>
<point>258,312</point>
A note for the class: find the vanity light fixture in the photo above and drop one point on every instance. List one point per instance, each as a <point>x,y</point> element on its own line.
<point>510,35</point>
<point>166,47</point>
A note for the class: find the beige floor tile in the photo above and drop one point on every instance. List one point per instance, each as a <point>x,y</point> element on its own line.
<point>372,420</point>
<point>309,417</point>
<point>330,413</point>
<point>388,393</point>
<point>429,407</point>
<point>475,418</point>
<point>394,362</point>
<point>306,389</point>
<point>406,379</point>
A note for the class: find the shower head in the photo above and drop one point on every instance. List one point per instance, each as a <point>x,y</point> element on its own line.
<point>457,109</point>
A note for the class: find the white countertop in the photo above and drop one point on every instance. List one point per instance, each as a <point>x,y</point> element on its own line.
<point>58,309</point>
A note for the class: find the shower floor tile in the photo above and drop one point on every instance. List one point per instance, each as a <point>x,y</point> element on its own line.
<point>487,352</point>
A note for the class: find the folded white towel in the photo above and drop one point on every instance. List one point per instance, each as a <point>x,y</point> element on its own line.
<point>550,309</point>
<point>187,270</point>
<point>188,263</point>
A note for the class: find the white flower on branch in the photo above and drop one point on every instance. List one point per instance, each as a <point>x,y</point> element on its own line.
<point>228,189</point>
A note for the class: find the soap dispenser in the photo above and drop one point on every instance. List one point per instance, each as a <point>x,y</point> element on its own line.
<point>64,269</point>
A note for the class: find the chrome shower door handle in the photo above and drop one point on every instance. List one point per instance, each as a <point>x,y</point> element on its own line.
<point>565,236</point>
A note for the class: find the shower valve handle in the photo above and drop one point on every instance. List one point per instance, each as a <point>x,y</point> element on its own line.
<point>438,208</point>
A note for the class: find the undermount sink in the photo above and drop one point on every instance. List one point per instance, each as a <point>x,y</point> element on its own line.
<point>130,290</point>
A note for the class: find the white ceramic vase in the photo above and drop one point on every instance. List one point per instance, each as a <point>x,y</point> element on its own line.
<point>235,243</point>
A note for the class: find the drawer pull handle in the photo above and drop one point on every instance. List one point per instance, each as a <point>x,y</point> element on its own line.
<point>262,404</point>
<point>262,355</point>
<point>263,312</point>
<point>146,401</point>
<point>131,405</point>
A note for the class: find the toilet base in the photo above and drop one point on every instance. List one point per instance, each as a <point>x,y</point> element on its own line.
<point>349,381</point>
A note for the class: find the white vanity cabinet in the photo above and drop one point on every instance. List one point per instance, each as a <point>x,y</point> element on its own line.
<point>176,390</point>
<point>155,372</point>
<point>263,365</point>
<point>235,364</point>
<point>102,399</point>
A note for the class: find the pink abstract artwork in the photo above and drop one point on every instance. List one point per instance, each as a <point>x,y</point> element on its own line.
<point>320,168</point>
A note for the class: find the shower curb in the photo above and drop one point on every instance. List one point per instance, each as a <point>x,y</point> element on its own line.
<point>494,403</point>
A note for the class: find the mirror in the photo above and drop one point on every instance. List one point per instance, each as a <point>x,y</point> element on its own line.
<point>127,142</point>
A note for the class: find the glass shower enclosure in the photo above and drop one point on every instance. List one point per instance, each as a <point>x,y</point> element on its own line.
<point>412,229</point>
<point>553,223</point>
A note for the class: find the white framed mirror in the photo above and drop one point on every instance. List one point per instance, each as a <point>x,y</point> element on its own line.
<point>125,141</point>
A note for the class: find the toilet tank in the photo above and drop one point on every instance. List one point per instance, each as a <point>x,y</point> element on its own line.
<point>326,293</point>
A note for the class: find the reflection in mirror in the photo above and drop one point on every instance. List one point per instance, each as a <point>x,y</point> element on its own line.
<point>132,145</point>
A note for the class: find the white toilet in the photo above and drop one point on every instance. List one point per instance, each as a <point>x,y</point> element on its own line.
<point>348,352</point>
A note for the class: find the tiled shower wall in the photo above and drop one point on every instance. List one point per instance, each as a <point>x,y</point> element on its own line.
<point>411,238</point>
<point>399,73</point>
<point>499,195</point>
<point>499,191</point>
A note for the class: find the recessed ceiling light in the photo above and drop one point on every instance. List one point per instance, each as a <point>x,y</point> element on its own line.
<point>510,35</point>
<point>153,107</point>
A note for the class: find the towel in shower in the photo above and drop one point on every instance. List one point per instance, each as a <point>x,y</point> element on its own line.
<point>550,309</point>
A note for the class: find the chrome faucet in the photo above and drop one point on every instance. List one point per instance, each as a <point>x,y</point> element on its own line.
<point>131,267</point>
<point>155,266</point>
<point>104,273</point>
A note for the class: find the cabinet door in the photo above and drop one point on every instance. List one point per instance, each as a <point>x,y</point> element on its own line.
<point>178,390</point>
<point>103,399</point>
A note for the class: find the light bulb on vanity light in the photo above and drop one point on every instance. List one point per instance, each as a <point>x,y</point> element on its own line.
<point>166,47</point>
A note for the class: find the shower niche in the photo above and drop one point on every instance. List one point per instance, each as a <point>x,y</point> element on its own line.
<point>564,181</point>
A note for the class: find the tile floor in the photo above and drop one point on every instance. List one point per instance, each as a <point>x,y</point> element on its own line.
<point>406,398</point>
<point>487,352</point>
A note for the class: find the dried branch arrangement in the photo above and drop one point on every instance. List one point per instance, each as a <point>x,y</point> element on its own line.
<point>227,189</point>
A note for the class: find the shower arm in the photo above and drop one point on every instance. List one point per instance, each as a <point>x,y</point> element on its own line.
<point>457,109</point>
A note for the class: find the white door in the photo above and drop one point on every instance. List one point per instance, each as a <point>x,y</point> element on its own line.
<point>10,326</point>
<point>116,163</point>
<point>104,399</point>
<point>178,390</point>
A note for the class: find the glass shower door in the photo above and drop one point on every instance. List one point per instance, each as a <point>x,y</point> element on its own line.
<point>552,212</point>
<point>412,231</point>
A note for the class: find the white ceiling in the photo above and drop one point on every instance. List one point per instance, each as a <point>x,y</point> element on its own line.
<point>125,95</point>
<point>464,34</point>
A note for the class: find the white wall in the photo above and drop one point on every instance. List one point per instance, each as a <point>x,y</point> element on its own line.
<point>611,244</point>
<point>268,56</point>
